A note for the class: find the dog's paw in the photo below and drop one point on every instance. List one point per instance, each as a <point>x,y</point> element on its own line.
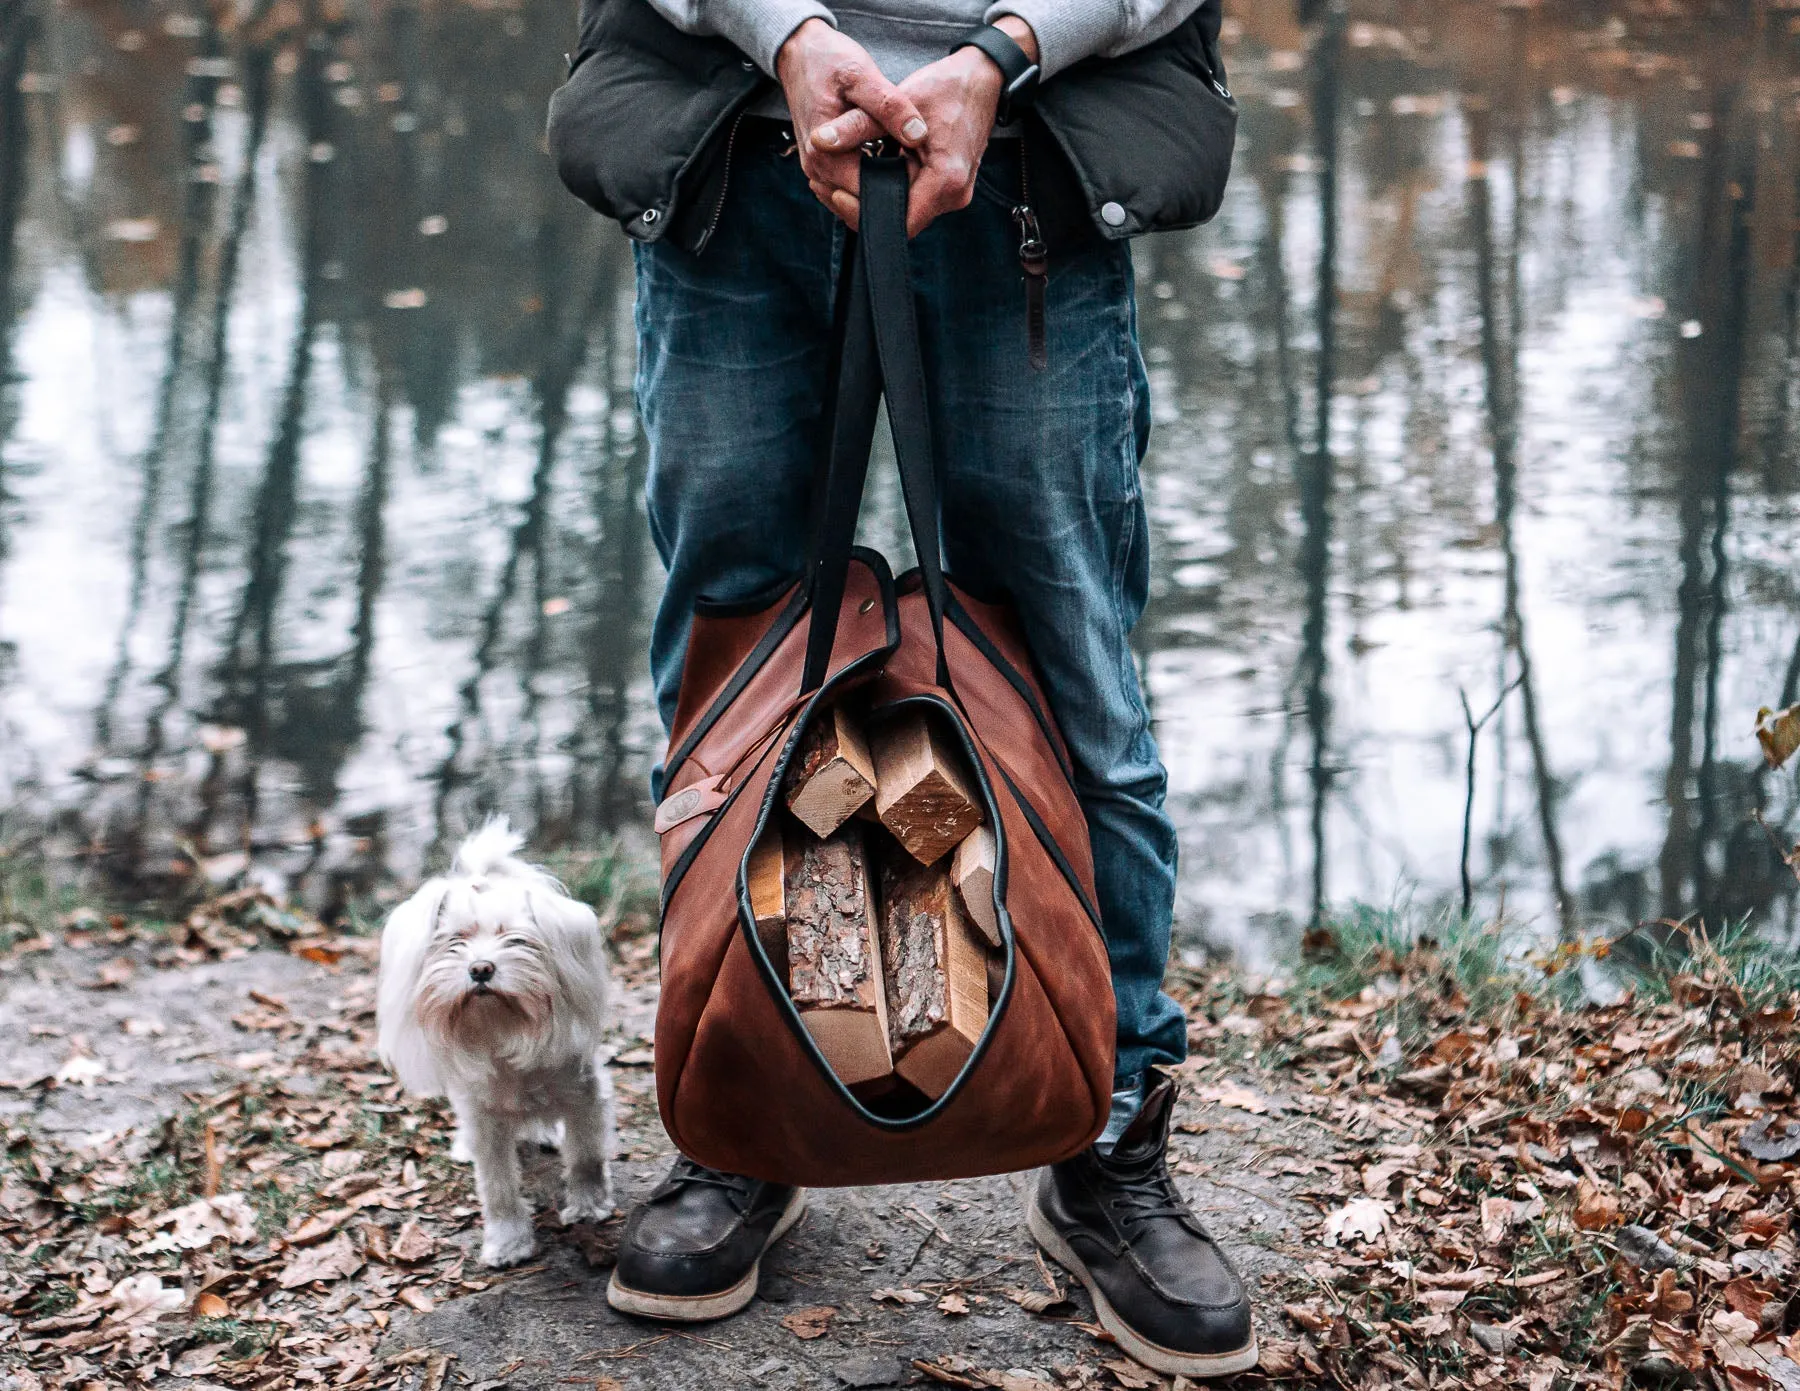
<point>587,1205</point>
<point>459,1148</point>
<point>507,1243</point>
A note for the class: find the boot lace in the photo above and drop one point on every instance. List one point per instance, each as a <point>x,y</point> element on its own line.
<point>1139,1193</point>
<point>688,1174</point>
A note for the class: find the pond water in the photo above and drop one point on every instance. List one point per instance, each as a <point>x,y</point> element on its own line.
<point>320,511</point>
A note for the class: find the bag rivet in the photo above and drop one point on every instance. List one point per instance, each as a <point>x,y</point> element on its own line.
<point>866,605</point>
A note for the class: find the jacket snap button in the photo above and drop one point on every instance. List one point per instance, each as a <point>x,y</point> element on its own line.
<point>649,216</point>
<point>747,65</point>
<point>1112,214</point>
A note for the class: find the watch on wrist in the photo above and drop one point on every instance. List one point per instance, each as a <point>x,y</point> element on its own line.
<point>1018,74</point>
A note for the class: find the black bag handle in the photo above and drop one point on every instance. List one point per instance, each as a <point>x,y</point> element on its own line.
<point>878,354</point>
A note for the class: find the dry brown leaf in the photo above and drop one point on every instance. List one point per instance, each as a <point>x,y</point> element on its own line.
<point>1131,1376</point>
<point>412,1244</point>
<point>807,1324</point>
<point>226,1216</point>
<point>1594,1207</point>
<point>888,1295</point>
<point>332,1261</point>
<point>1229,1093</point>
<point>208,1305</point>
<point>1778,731</point>
<point>416,1299</point>
<point>953,1304</point>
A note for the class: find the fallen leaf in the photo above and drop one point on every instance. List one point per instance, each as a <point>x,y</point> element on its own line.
<point>1770,1140</point>
<point>416,1299</point>
<point>1130,1375</point>
<point>807,1324</point>
<point>953,1304</point>
<point>332,1261</point>
<point>413,1243</point>
<point>1229,1093</point>
<point>208,1305</point>
<point>1594,1207</point>
<point>893,1296</point>
<point>1778,731</point>
<point>204,1221</point>
<point>1361,1219</point>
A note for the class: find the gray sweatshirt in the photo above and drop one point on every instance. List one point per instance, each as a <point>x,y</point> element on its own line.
<point>904,35</point>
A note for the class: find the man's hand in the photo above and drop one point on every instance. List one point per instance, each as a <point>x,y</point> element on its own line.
<point>958,97</point>
<point>824,75</point>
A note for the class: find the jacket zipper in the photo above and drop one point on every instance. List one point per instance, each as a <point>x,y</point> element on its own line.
<point>724,183</point>
<point>1034,260</point>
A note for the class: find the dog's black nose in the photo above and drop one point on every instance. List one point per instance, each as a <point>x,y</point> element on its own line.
<point>481,972</point>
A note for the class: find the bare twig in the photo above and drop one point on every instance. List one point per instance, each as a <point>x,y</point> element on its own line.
<point>1475,727</point>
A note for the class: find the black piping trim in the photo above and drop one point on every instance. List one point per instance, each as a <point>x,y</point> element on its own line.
<point>965,622</point>
<point>1054,850</point>
<point>890,611</point>
<point>778,989</point>
<point>747,669</point>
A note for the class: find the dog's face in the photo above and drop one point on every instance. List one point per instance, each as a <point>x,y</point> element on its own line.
<point>488,975</point>
<point>488,969</point>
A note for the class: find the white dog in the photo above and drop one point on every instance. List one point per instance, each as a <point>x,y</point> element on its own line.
<point>494,993</point>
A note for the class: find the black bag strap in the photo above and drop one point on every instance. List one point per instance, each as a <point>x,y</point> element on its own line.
<point>878,354</point>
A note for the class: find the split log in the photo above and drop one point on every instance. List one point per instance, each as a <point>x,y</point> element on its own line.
<point>972,871</point>
<point>834,953</point>
<point>922,794</point>
<point>832,776</point>
<point>768,897</point>
<point>936,971</point>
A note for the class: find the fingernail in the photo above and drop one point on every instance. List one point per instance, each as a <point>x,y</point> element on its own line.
<point>827,135</point>
<point>914,129</point>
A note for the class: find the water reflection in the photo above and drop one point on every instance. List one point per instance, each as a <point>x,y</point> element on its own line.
<point>320,519</point>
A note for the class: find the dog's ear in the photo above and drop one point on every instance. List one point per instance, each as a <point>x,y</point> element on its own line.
<point>572,938</point>
<point>405,943</point>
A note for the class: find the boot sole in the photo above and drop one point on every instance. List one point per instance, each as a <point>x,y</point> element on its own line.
<point>699,1308</point>
<point>1153,1355</point>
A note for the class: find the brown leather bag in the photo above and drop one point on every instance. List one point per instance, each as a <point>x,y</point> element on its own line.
<point>741,1085</point>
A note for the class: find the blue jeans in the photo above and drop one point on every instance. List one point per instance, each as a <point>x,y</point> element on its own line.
<point>1041,498</point>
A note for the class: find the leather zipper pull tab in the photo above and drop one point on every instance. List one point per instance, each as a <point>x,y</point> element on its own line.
<point>1034,260</point>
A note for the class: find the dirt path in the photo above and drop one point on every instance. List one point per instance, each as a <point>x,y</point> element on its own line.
<point>914,1272</point>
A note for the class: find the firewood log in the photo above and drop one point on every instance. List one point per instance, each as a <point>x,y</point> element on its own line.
<point>936,970</point>
<point>922,793</point>
<point>768,897</point>
<point>832,776</point>
<point>972,871</point>
<point>834,953</point>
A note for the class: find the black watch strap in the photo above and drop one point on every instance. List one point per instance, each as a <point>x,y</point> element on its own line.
<point>1018,74</point>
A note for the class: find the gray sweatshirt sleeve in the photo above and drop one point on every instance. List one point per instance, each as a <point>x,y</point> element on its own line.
<point>758,27</point>
<point>1070,30</point>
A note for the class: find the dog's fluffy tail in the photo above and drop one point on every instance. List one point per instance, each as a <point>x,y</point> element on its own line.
<point>494,850</point>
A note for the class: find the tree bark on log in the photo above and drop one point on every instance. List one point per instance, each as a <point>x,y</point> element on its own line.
<point>936,970</point>
<point>923,795</point>
<point>833,775</point>
<point>834,953</point>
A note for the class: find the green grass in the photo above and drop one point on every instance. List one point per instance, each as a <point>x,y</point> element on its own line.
<point>614,881</point>
<point>1413,965</point>
<point>1735,956</point>
<point>32,899</point>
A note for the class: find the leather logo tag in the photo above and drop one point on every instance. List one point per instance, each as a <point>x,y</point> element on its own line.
<point>696,799</point>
